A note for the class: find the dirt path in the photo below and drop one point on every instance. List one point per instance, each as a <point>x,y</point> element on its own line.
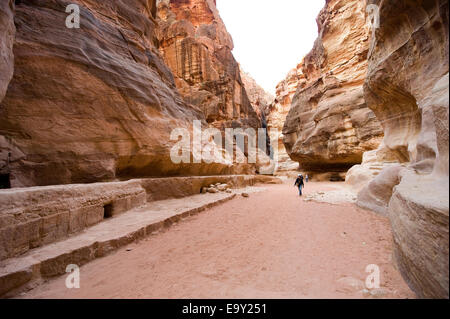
<point>271,245</point>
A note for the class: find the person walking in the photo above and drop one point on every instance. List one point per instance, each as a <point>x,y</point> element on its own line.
<point>300,184</point>
<point>307,178</point>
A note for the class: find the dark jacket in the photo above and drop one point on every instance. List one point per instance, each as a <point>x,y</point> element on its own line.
<point>299,181</point>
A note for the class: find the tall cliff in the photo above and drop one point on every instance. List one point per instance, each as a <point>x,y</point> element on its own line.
<point>407,87</point>
<point>7,31</point>
<point>260,99</point>
<point>91,104</point>
<point>329,125</point>
<point>197,48</point>
<point>278,111</point>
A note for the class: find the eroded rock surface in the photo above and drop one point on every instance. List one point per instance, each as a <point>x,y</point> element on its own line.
<point>259,98</point>
<point>197,48</point>
<point>278,111</point>
<point>91,104</point>
<point>407,88</point>
<point>7,31</point>
<point>329,126</point>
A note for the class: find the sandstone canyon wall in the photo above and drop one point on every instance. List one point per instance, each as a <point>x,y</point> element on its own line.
<point>329,125</point>
<point>407,88</point>
<point>197,48</point>
<point>278,111</point>
<point>7,32</point>
<point>96,103</point>
<point>260,99</point>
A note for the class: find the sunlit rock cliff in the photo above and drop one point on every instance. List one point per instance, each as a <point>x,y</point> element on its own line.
<point>407,88</point>
<point>329,125</point>
<point>197,48</point>
<point>278,111</point>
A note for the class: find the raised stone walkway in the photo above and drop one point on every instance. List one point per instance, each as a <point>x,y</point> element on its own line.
<point>45,229</point>
<point>25,272</point>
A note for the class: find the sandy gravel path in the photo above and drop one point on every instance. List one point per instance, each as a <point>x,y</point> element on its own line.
<point>270,245</point>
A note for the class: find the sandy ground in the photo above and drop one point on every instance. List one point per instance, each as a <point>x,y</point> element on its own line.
<point>270,245</point>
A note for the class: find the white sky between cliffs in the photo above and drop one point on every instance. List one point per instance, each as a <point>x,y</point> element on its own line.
<point>270,37</point>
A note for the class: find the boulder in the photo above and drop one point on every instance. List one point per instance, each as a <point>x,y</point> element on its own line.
<point>212,190</point>
<point>377,194</point>
<point>222,187</point>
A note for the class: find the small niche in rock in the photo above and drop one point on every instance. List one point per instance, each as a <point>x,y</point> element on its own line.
<point>336,178</point>
<point>107,211</point>
<point>5,181</point>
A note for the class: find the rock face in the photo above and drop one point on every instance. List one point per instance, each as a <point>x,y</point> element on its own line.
<point>7,31</point>
<point>197,48</point>
<point>278,111</point>
<point>407,88</point>
<point>329,126</point>
<point>95,103</point>
<point>259,98</point>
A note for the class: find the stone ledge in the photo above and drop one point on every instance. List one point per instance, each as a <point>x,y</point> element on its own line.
<point>25,272</point>
<point>37,216</point>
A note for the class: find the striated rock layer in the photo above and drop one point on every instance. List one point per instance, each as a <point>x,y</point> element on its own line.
<point>278,111</point>
<point>407,88</point>
<point>329,125</point>
<point>7,31</point>
<point>259,98</point>
<point>197,48</point>
<point>90,104</point>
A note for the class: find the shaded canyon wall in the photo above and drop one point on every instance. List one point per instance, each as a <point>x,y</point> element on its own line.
<point>7,32</point>
<point>96,103</point>
<point>259,98</point>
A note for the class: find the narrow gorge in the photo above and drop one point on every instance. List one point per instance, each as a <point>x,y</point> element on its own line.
<point>115,141</point>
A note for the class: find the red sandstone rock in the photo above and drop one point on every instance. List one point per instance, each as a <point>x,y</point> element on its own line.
<point>197,48</point>
<point>7,31</point>
<point>91,104</point>
<point>259,98</point>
